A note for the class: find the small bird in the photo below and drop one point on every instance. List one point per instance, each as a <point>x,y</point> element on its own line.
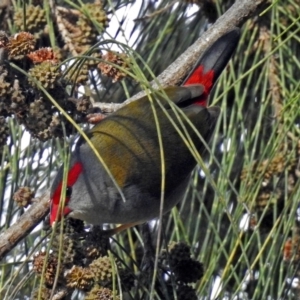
<point>128,141</point>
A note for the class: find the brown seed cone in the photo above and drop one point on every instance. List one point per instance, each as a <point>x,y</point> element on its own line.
<point>84,35</point>
<point>18,105</point>
<point>68,248</point>
<point>119,59</point>
<point>92,251</point>
<point>87,34</point>
<point>42,293</point>
<point>185,292</point>
<point>178,251</point>
<point>51,266</point>
<point>20,44</point>
<point>66,239</point>
<point>103,270</point>
<point>97,14</point>
<point>6,91</point>
<point>73,226</point>
<point>35,19</point>
<point>46,73</point>
<point>78,74</point>
<point>188,271</point>
<point>44,135</point>
<point>79,278</point>
<point>56,127</point>
<point>43,54</point>
<point>39,116</point>
<point>23,196</point>
<point>101,293</point>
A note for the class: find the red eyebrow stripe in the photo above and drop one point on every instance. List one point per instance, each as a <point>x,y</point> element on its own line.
<point>73,175</point>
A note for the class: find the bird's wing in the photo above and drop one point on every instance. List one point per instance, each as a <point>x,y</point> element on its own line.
<point>181,94</point>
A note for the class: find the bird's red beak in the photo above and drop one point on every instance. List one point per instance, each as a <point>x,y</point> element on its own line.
<point>56,212</point>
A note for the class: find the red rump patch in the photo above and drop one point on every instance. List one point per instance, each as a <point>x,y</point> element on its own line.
<point>73,175</point>
<point>207,79</point>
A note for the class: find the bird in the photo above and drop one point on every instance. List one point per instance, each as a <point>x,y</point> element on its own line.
<point>145,148</point>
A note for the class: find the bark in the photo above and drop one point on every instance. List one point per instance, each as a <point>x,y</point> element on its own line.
<point>32,217</point>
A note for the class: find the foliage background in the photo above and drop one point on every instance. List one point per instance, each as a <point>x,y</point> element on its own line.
<point>242,218</point>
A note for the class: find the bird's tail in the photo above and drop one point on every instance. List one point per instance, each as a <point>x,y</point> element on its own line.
<point>211,64</point>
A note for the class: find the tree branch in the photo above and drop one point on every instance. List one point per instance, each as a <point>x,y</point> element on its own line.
<point>236,16</point>
<point>32,217</point>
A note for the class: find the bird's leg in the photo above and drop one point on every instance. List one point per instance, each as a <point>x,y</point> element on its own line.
<point>148,262</point>
<point>113,231</point>
<point>149,253</point>
<point>102,240</point>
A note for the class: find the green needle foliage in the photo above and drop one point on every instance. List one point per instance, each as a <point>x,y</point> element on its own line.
<point>236,233</point>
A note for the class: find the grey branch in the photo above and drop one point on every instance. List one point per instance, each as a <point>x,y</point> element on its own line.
<point>32,217</point>
<point>236,16</point>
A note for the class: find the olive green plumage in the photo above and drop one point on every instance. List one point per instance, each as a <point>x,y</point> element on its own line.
<point>128,142</point>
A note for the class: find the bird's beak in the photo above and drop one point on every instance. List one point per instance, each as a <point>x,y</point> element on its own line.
<point>57,212</point>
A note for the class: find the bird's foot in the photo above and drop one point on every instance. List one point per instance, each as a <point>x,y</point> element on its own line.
<point>95,118</point>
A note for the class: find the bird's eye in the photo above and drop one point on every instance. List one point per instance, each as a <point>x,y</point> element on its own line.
<point>68,191</point>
